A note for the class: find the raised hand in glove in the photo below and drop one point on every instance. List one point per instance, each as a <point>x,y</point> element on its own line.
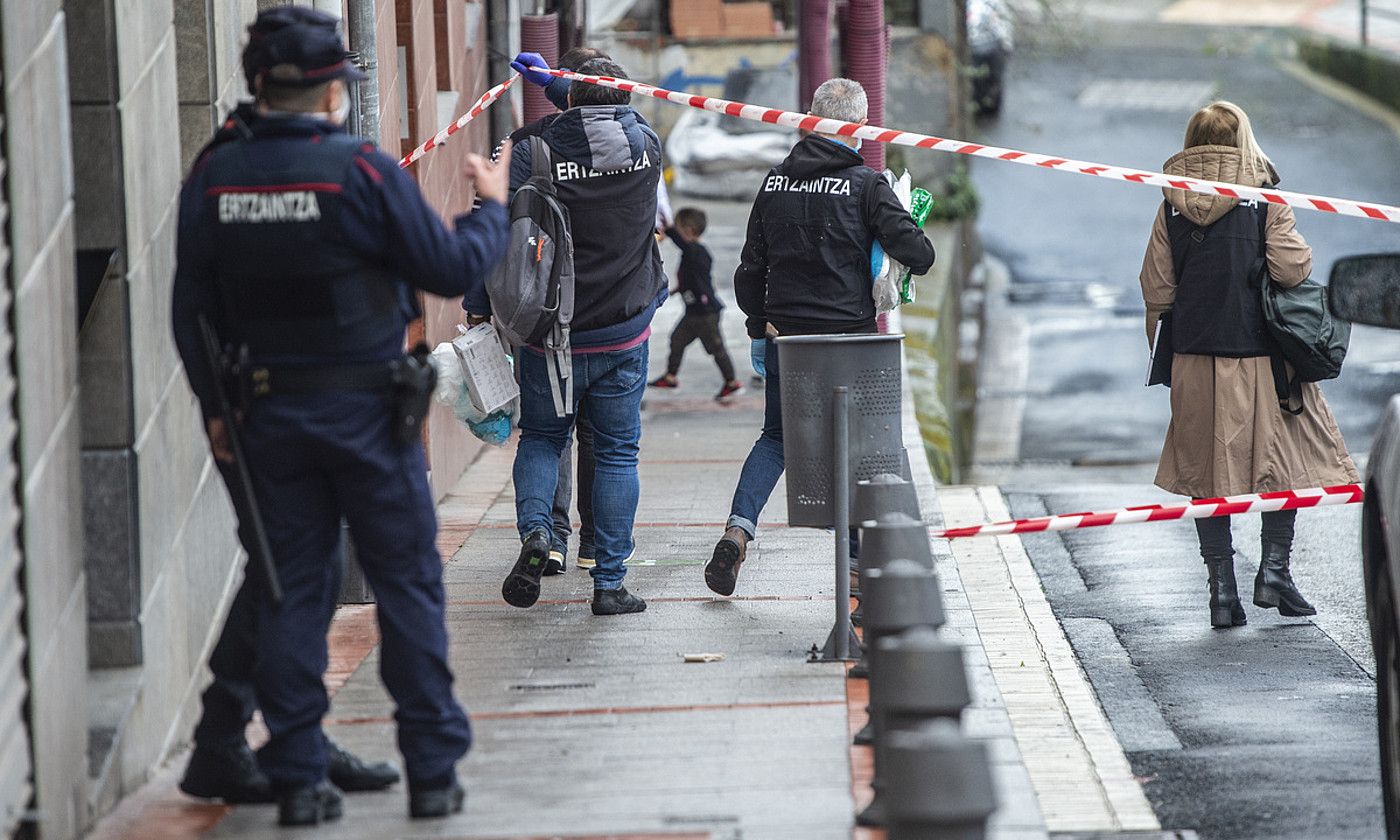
<point>526,63</point>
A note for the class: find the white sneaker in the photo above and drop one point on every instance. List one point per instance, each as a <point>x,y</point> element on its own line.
<point>589,562</point>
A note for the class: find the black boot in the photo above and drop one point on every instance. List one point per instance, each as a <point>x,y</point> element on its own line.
<point>722,572</point>
<point>436,802</point>
<point>353,774</point>
<point>1274,587</point>
<point>227,773</point>
<point>616,602</point>
<point>522,585</point>
<point>1225,607</point>
<point>310,805</point>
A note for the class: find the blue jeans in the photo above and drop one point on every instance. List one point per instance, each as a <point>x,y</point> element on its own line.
<point>764,466</point>
<point>609,387</point>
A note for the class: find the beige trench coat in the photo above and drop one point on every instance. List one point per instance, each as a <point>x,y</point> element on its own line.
<point>1228,435</point>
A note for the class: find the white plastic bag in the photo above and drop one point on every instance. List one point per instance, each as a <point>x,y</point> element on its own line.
<point>493,427</point>
<point>885,270</point>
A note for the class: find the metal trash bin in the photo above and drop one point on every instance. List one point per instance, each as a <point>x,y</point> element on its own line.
<point>809,367</point>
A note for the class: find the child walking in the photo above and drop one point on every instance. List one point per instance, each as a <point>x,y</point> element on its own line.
<point>702,305</point>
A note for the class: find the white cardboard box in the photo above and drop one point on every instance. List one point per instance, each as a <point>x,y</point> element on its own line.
<point>490,380</point>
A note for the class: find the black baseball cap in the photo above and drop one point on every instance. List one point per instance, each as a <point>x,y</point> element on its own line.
<point>296,46</point>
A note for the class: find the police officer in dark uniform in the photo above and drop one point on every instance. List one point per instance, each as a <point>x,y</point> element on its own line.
<point>297,244</point>
<point>222,766</point>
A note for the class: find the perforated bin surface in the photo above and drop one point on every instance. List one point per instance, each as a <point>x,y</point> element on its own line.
<point>811,366</point>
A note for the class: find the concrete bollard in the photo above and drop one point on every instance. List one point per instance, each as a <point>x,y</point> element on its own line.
<point>901,595</point>
<point>889,536</point>
<point>892,536</point>
<point>938,784</point>
<point>884,493</point>
<point>918,676</point>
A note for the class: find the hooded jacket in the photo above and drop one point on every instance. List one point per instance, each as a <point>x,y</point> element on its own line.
<point>805,266</point>
<point>1227,435</point>
<point>606,163</point>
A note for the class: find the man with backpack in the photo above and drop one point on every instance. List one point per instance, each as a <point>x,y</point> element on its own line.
<point>578,288</point>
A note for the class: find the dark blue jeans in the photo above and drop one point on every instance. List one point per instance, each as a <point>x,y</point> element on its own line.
<point>608,386</point>
<point>764,466</point>
<point>315,459</point>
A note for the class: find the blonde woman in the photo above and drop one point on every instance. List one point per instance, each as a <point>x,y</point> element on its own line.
<point>1228,434</point>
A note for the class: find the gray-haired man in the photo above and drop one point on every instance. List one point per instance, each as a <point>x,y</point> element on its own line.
<point>805,270</point>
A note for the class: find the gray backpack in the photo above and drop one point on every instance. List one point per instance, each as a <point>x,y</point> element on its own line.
<point>532,287</point>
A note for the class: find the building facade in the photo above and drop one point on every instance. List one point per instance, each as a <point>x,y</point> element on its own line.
<point>117,547</point>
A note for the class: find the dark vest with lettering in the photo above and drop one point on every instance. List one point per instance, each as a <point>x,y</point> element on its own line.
<point>812,208</point>
<point>612,215</point>
<point>1217,310</point>
<point>290,282</point>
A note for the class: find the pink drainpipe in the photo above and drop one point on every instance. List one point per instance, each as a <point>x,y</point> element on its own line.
<point>866,48</point>
<point>539,34</point>
<point>814,50</point>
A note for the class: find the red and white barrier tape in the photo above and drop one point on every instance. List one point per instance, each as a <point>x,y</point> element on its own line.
<point>807,122</point>
<point>438,139</point>
<point>1346,494</point>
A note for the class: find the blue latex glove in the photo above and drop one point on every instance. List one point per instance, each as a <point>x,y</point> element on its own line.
<point>756,351</point>
<point>525,63</point>
<point>877,259</point>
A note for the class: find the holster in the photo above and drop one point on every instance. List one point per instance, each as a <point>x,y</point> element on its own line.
<point>412,380</point>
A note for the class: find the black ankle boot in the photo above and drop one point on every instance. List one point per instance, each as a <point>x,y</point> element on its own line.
<point>310,805</point>
<point>1225,607</point>
<point>1274,587</point>
<point>229,773</point>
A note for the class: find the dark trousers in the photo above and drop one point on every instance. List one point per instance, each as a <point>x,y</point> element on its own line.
<point>766,462</point>
<point>229,701</point>
<point>317,459</point>
<point>1214,533</point>
<point>704,326</point>
<point>564,493</point>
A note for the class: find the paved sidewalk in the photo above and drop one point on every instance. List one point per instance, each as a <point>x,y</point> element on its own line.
<point>593,727</point>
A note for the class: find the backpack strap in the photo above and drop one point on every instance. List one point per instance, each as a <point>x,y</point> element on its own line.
<point>540,163</point>
<point>1288,389</point>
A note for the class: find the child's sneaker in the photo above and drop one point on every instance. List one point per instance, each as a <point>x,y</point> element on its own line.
<point>730,389</point>
<point>664,382</point>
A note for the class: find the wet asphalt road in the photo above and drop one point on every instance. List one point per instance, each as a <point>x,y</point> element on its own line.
<point>1266,731</point>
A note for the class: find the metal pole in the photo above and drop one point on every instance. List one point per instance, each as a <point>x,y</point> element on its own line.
<point>1364,34</point>
<point>841,498</point>
<point>360,26</point>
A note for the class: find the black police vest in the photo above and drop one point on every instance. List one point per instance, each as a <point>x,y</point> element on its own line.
<point>1217,310</point>
<point>617,267</point>
<point>290,282</point>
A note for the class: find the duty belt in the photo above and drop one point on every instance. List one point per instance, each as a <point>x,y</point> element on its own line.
<point>265,381</point>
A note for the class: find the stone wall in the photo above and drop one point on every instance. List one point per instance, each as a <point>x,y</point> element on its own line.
<point>41,277</point>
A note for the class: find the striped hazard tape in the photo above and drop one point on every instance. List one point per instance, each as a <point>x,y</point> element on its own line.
<point>438,139</point>
<point>807,122</point>
<point>1346,494</point>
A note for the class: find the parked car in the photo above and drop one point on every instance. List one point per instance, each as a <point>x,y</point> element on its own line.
<point>990,39</point>
<point>1366,290</point>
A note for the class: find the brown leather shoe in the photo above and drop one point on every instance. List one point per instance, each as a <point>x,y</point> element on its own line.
<point>722,572</point>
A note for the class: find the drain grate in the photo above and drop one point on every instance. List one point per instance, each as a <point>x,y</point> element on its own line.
<point>534,687</point>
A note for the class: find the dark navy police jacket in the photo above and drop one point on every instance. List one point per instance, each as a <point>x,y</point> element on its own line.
<point>805,266</point>
<point>305,244</point>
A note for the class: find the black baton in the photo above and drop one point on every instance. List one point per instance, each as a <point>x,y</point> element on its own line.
<point>245,502</point>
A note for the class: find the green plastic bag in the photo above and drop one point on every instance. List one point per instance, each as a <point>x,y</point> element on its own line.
<point>920,205</point>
